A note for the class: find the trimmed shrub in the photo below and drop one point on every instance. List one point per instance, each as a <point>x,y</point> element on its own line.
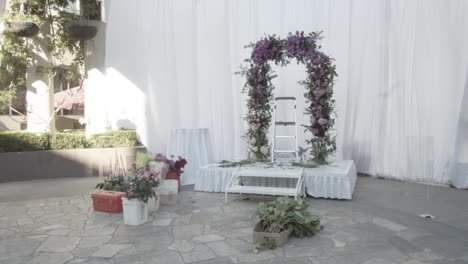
<point>13,141</point>
<point>19,141</point>
<point>75,140</point>
<point>113,139</point>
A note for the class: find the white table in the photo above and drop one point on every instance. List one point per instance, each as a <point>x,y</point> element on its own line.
<point>336,180</point>
<point>194,145</point>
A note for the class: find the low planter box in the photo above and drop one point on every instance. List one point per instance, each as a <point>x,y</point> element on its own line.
<point>107,201</point>
<point>279,238</point>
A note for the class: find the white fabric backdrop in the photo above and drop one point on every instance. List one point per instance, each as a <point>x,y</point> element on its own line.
<point>402,66</point>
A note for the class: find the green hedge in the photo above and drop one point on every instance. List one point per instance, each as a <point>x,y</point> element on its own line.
<point>110,139</point>
<point>12,141</point>
<point>75,140</point>
<point>18,141</point>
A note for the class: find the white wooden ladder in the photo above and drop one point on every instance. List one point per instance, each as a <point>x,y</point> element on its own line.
<point>235,184</point>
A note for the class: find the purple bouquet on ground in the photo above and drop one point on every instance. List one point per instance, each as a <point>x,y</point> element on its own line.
<point>174,165</point>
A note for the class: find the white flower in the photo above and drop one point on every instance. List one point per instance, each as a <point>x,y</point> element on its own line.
<point>264,150</point>
<point>322,121</point>
<point>253,141</point>
<point>254,149</point>
<point>318,93</point>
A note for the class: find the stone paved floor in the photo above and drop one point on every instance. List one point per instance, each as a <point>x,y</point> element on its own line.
<point>202,229</point>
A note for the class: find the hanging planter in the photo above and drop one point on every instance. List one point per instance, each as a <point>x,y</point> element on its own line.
<point>81,30</point>
<point>26,29</point>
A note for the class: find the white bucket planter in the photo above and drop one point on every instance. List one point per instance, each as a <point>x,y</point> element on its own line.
<point>153,203</point>
<point>135,212</point>
<point>168,192</point>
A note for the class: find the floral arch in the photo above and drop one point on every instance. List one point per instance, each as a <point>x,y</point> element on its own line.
<point>319,90</point>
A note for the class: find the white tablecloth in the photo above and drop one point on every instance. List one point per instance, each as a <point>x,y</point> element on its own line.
<point>195,146</point>
<point>336,180</point>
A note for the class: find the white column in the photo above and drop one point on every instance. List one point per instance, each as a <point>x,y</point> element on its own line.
<point>40,89</point>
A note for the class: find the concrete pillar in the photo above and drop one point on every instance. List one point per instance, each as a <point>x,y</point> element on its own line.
<point>40,88</point>
<point>97,94</point>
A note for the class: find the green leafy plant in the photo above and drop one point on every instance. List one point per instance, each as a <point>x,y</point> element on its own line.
<point>266,243</point>
<point>285,212</point>
<point>231,164</point>
<point>114,183</point>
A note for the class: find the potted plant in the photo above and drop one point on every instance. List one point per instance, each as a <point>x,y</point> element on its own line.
<point>281,218</point>
<point>109,196</point>
<point>175,166</point>
<point>135,200</point>
<point>83,27</point>
<point>82,30</point>
<point>22,28</point>
<point>149,170</point>
<point>21,24</point>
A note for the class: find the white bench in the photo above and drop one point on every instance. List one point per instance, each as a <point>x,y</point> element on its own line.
<point>235,183</point>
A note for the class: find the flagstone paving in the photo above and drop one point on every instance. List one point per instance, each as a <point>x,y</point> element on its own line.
<point>201,229</point>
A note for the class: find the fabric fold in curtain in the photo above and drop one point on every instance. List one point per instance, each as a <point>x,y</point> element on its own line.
<point>401,64</point>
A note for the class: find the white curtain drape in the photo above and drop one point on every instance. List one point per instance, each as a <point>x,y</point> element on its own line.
<point>402,66</point>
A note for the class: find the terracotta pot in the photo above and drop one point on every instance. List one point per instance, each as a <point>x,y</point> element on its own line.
<point>172,175</point>
<point>279,238</point>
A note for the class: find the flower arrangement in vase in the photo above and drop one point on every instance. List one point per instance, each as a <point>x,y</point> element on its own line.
<point>141,191</point>
<point>175,166</point>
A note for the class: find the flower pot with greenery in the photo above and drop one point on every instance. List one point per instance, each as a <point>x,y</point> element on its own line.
<point>83,26</point>
<point>149,170</point>
<point>175,166</point>
<point>109,196</point>
<point>135,200</point>
<point>82,30</point>
<point>22,28</point>
<point>282,217</point>
<point>21,24</point>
